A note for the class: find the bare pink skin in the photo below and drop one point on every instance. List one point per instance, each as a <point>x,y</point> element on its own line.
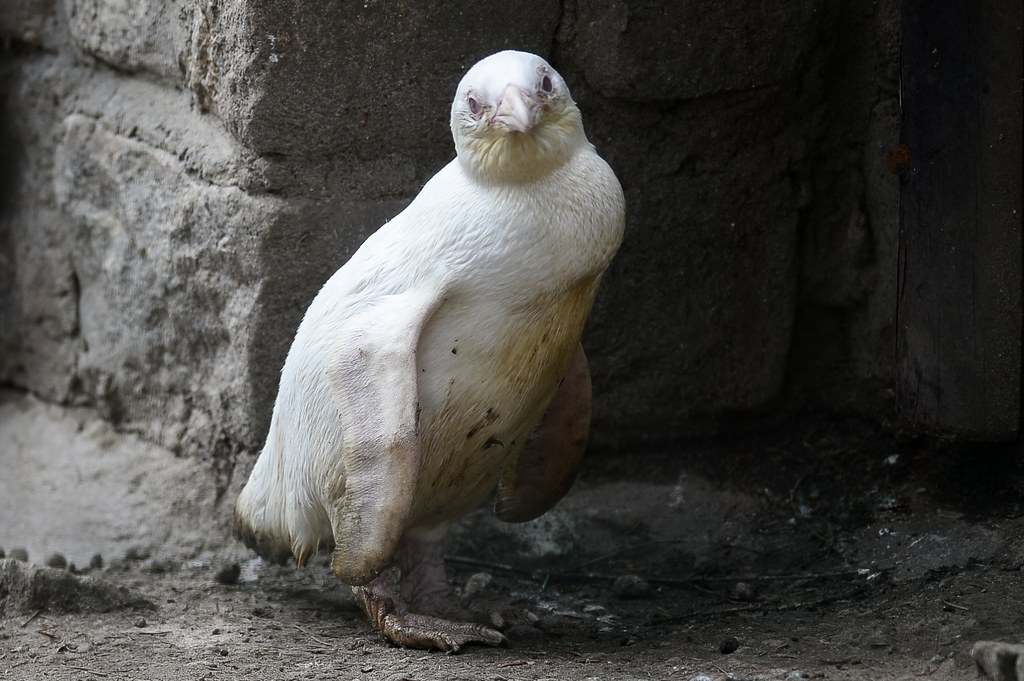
<point>396,600</point>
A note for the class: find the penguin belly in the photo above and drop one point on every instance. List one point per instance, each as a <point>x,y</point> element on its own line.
<point>486,375</point>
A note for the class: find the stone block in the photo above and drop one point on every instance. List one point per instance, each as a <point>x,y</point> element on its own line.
<point>161,117</point>
<point>38,287</point>
<point>842,356</point>
<point>38,303</point>
<point>360,80</point>
<point>135,35</point>
<point>656,50</point>
<point>168,274</point>
<point>30,588</point>
<point>694,316</point>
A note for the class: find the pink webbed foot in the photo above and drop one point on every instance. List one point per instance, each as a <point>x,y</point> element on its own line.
<point>411,630</point>
<point>424,589</point>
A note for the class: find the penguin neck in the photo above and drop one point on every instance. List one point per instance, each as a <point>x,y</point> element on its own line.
<point>504,158</point>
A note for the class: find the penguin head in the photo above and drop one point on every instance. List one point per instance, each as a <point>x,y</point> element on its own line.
<point>513,119</point>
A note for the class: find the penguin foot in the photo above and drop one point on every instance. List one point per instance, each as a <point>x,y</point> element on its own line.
<point>389,613</point>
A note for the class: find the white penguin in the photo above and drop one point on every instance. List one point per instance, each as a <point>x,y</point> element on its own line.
<point>443,360</point>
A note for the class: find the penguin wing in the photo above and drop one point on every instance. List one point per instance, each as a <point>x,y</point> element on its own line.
<point>372,376</point>
<point>546,467</point>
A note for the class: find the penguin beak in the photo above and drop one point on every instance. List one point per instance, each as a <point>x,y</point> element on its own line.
<point>517,111</point>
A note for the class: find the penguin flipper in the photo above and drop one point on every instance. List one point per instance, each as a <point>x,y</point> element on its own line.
<point>372,376</point>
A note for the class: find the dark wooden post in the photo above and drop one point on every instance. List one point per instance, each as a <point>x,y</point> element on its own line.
<point>959,281</point>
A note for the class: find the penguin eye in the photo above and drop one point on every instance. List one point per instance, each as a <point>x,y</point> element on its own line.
<point>474,105</point>
<point>546,85</point>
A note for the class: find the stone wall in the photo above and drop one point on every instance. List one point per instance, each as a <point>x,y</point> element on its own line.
<point>179,177</point>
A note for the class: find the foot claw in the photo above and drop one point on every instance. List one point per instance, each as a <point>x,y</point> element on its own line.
<point>411,630</point>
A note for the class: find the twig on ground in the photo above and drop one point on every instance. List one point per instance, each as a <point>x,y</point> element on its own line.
<point>88,671</point>
<point>31,617</point>
<point>809,576</point>
<point>307,632</point>
<point>513,663</point>
<point>727,674</point>
<point>627,549</point>
<point>490,565</point>
<point>668,581</point>
<point>763,607</point>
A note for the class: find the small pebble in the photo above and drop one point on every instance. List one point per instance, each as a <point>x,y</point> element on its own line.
<point>57,560</point>
<point>229,574</point>
<point>632,586</point>
<point>476,583</point>
<point>96,562</point>
<point>19,554</point>
<point>728,645</point>
<point>743,591</point>
<point>215,632</point>
<point>140,622</point>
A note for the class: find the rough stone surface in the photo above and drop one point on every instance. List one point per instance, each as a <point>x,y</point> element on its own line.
<point>843,352</point>
<point>38,291</point>
<point>336,77</point>
<point>72,484</point>
<point>33,22</point>
<point>184,176</point>
<point>25,588</point>
<point>134,36</point>
<point>676,333</point>
<point>624,46</point>
<point>168,286</point>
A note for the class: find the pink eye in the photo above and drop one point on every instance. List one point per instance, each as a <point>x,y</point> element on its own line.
<point>546,85</point>
<point>474,106</point>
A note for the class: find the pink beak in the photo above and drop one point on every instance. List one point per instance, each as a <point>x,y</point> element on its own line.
<point>516,110</point>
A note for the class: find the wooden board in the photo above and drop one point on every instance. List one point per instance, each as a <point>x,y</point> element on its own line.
<point>959,281</point>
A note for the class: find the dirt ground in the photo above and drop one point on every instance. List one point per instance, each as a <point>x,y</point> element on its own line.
<point>829,551</point>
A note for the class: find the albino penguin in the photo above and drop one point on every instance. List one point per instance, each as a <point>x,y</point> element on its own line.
<point>443,361</point>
